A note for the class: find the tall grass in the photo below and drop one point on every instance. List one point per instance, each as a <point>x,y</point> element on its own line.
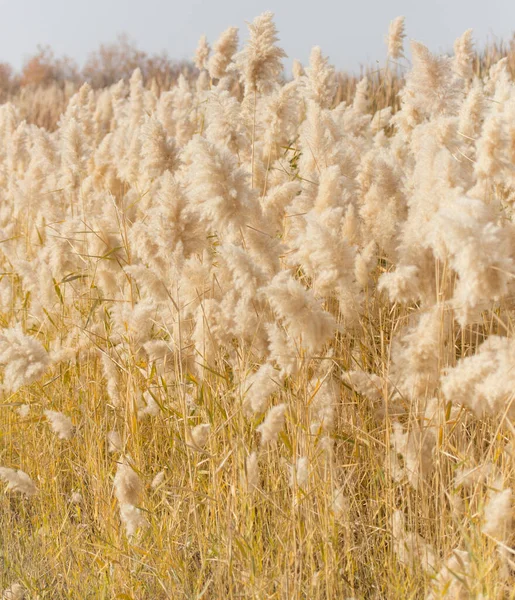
<point>256,334</point>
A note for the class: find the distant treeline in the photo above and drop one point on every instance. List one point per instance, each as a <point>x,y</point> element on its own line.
<point>46,82</point>
<point>103,67</point>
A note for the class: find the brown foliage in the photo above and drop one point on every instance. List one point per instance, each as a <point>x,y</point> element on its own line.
<point>44,68</point>
<point>112,62</point>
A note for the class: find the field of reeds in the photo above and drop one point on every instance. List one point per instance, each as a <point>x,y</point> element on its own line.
<point>256,334</point>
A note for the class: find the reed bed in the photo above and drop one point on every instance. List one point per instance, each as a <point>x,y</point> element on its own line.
<point>256,334</point>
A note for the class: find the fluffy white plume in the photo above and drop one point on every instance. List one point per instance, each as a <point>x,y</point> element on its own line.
<point>395,38</point>
<point>223,51</point>
<point>272,424</point>
<point>128,489</point>
<point>114,441</point>
<point>299,473</point>
<point>498,515</point>
<point>61,425</point>
<point>158,480</point>
<point>15,592</point>
<point>24,358</point>
<point>260,61</point>
<point>127,484</point>
<point>484,382</point>
<point>202,53</point>
<point>252,470</point>
<point>260,386</point>
<point>200,435</point>
<point>18,481</point>
<point>302,314</point>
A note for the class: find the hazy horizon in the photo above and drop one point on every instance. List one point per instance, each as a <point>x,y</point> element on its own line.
<point>349,36</point>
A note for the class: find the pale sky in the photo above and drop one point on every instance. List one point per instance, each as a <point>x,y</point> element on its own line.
<point>350,33</point>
